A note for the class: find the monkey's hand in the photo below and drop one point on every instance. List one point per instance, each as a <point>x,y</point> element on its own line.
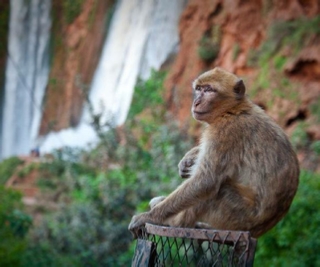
<point>185,165</point>
<point>138,221</point>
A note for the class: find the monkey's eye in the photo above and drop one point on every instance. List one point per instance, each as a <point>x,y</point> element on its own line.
<point>198,88</point>
<point>209,89</point>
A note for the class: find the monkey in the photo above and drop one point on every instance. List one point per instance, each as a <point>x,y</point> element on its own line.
<point>185,165</point>
<point>156,200</point>
<point>244,173</point>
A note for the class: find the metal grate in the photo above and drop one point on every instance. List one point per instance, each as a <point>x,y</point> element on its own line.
<point>170,246</point>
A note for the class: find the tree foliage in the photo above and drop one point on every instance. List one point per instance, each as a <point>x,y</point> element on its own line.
<point>295,241</point>
<point>91,228</point>
<point>14,225</point>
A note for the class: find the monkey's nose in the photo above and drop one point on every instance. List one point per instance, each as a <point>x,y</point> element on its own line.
<point>197,102</point>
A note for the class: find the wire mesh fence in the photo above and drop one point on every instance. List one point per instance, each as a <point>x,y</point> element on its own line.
<point>170,246</point>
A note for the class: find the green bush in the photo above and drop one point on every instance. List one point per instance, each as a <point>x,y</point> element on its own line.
<point>208,50</point>
<point>295,241</point>
<point>8,167</point>
<point>92,227</point>
<point>293,33</point>
<point>315,109</point>
<point>299,137</point>
<point>71,9</point>
<point>14,225</point>
<point>148,95</point>
<point>209,45</point>
<point>315,146</point>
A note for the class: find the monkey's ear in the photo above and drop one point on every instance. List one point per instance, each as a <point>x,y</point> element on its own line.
<point>239,89</point>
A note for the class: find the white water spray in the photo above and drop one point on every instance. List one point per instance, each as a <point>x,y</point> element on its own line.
<point>142,35</point>
<point>26,75</point>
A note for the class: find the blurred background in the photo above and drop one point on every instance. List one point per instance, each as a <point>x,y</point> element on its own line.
<point>95,100</point>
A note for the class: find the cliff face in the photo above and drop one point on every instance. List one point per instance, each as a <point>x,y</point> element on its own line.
<point>274,46</point>
<point>76,43</point>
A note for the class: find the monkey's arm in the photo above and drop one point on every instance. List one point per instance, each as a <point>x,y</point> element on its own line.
<point>186,163</point>
<point>190,193</point>
<point>184,166</point>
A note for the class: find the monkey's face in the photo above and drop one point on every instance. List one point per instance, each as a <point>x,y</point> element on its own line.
<point>215,92</point>
<point>206,97</point>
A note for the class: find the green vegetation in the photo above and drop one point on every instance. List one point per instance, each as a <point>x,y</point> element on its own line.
<point>92,15</point>
<point>299,138</point>
<point>279,62</point>
<point>209,45</point>
<point>235,51</point>
<point>100,190</point>
<point>291,34</point>
<point>72,9</point>
<point>315,109</point>
<point>208,50</point>
<point>26,170</point>
<point>285,39</point>
<point>315,146</point>
<point>14,225</point>
<point>148,96</point>
<point>8,167</point>
<point>266,7</point>
<point>271,77</point>
<point>295,241</point>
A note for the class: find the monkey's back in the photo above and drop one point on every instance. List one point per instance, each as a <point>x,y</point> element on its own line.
<point>258,163</point>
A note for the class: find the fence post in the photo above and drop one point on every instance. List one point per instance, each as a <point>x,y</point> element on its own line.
<point>172,246</point>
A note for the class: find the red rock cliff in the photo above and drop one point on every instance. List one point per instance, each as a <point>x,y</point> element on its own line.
<point>76,50</point>
<point>246,28</point>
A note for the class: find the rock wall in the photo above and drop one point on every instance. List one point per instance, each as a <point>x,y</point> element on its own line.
<point>76,50</point>
<point>246,28</point>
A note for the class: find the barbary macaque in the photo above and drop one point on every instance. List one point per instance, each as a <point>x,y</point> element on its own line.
<point>244,173</point>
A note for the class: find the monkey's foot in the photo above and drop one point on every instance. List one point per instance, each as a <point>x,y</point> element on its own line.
<point>156,200</point>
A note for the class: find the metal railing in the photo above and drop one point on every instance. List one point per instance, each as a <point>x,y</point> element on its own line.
<point>171,246</point>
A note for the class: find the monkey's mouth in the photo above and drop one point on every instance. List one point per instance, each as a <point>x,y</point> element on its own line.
<point>200,112</point>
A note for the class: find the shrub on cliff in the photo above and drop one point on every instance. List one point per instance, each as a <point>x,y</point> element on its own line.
<point>14,225</point>
<point>295,241</point>
<point>8,167</point>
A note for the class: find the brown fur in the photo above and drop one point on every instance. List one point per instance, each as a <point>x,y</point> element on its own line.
<point>243,175</point>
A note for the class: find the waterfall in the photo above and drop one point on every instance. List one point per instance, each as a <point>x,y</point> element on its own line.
<point>26,75</point>
<point>142,35</point>
<point>163,38</point>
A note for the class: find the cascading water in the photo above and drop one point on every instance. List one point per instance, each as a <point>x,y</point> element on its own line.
<point>142,35</point>
<point>26,74</point>
<point>163,37</point>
